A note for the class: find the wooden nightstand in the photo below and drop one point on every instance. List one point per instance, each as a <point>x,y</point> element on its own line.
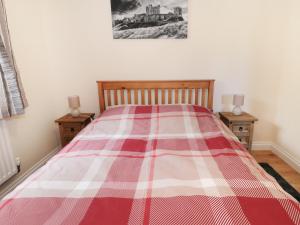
<point>70,126</point>
<point>242,126</point>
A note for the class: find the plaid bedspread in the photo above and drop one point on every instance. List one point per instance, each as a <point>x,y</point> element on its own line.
<point>175,164</point>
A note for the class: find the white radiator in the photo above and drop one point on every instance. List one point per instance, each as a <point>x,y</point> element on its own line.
<point>8,166</point>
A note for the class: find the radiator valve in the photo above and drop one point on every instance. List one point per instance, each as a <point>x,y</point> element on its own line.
<point>18,162</point>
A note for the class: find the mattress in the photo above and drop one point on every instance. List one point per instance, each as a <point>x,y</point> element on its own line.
<point>164,164</point>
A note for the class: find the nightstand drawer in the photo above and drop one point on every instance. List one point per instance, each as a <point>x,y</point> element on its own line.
<point>66,140</point>
<point>71,130</point>
<point>244,141</point>
<point>241,128</point>
<point>242,134</point>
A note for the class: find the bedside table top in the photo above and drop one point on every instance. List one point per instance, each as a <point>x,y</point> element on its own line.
<point>244,117</point>
<point>68,118</point>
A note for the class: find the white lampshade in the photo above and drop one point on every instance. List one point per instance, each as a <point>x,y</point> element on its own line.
<point>238,100</point>
<point>74,102</point>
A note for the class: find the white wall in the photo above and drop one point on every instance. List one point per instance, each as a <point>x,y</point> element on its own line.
<point>33,135</point>
<point>288,119</point>
<point>62,47</point>
<point>267,67</point>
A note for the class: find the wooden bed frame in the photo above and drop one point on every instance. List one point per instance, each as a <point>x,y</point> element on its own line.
<point>198,92</point>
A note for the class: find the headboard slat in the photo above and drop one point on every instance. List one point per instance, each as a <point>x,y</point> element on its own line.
<point>176,95</point>
<point>108,98</point>
<point>196,96</point>
<point>203,97</point>
<point>129,96</point>
<point>169,96</point>
<point>143,96</point>
<point>190,95</point>
<point>149,96</point>
<point>156,96</point>
<point>188,88</point>
<point>116,97</point>
<point>183,91</point>
<point>163,96</point>
<point>123,96</point>
<point>136,96</point>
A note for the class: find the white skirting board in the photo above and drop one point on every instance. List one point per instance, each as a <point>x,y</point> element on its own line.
<point>279,151</point>
<point>27,173</point>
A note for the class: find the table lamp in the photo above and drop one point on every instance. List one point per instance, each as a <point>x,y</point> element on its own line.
<point>74,104</point>
<point>238,101</point>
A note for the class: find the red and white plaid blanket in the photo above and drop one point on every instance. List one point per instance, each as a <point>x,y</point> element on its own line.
<point>175,164</point>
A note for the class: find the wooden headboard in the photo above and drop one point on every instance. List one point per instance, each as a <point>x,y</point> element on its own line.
<point>198,92</point>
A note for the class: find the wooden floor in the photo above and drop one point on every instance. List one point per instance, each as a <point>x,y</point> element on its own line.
<point>287,172</point>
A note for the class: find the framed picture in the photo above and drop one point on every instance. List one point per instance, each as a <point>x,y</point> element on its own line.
<point>149,19</point>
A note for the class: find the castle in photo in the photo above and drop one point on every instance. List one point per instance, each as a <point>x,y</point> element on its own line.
<point>151,18</point>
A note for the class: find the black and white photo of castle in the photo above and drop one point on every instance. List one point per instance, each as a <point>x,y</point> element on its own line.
<point>149,19</point>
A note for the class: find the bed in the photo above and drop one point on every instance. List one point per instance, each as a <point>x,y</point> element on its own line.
<point>156,155</point>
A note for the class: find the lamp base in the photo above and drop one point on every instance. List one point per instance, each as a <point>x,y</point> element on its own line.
<point>75,112</point>
<point>237,111</point>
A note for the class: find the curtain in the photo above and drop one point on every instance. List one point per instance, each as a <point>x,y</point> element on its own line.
<point>12,97</point>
